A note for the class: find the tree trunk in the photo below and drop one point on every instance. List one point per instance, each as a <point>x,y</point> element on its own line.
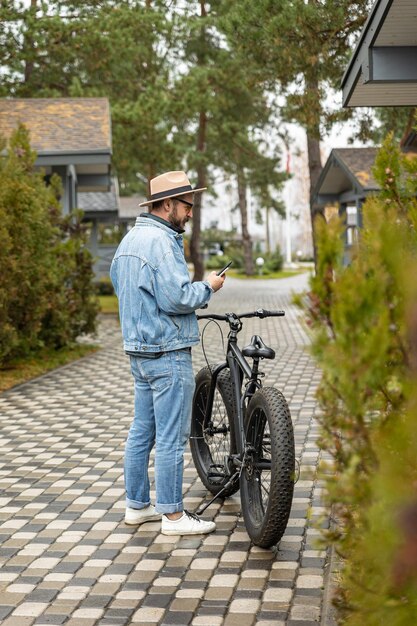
<point>410,125</point>
<point>29,62</point>
<point>315,168</point>
<point>314,157</point>
<point>268,236</point>
<point>246,238</point>
<point>195,252</point>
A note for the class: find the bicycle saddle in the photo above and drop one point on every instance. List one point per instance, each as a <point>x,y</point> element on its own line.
<point>257,349</point>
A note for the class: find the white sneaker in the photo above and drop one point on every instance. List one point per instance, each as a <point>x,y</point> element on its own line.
<point>135,517</point>
<point>187,524</point>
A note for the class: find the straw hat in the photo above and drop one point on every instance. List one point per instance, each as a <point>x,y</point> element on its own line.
<point>170,185</point>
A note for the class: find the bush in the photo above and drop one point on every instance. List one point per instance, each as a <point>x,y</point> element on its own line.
<point>104,287</point>
<point>273,261</point>
<point>364,322</point>
<point>216,262</point>
<point>45,292</point>
<point>234,251</point>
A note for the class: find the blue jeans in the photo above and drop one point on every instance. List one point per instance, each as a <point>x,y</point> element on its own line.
<point>164,390</point>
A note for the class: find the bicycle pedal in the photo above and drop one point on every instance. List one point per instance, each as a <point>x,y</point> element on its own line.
<point>215,477</point>
<point>215,480</point>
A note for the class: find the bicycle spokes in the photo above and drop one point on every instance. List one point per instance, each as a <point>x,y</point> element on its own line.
<point>211,441</point>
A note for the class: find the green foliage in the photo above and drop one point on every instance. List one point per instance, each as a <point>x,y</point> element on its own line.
<point>73,306</point>
<point>104,287</point>
<point>374,124</point>
<point>234,252</point>
<point>109,233</point>
<point>216,262</point>
<point>210,236</point>
<point>273,261</point>
<point>181,94</point>
<point>364,322</point>
<point>304,45</point>
<point>121,50</point>
<point>46,269</point>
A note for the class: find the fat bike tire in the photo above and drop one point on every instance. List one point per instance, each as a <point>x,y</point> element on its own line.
<point>210,451</point>
<point>267,480</point>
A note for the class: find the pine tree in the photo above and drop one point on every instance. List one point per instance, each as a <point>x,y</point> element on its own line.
<point>225,107</point>
<point>301,48</point>
<point>113,49</point>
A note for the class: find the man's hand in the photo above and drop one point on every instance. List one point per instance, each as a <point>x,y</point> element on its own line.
<point>216,282</point>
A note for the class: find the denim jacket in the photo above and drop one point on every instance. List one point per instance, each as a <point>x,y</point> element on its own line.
<point>156,297</point>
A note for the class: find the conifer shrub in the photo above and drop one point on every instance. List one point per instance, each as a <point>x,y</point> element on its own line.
<point>364,336</point>
<point>46,271</point>
<point>273,260</point>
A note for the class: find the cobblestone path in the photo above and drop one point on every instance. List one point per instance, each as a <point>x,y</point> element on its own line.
<point>67,557</point>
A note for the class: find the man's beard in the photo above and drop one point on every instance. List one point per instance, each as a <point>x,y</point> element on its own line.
<point>174,219</point>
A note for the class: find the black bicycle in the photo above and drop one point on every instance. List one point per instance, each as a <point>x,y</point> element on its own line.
<point>242,434</point>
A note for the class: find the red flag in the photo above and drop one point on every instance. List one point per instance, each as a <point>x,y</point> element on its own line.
<point>287,168</point>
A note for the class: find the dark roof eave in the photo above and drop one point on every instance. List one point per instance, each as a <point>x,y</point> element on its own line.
<point>73,152</point>
<point>356,184</point>
<point>386,4</point>
<point>74,158</point>
<point>334,157</point>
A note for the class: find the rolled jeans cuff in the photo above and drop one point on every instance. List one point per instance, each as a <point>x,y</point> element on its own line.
<point>169,508</point>
<point>134,504</point>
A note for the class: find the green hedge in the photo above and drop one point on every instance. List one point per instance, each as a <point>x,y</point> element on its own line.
<point>273,260</point>
<point>46,270</point>
<point>364,323</point>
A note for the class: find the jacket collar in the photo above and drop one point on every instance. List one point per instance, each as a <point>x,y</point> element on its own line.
<point>160,220</point>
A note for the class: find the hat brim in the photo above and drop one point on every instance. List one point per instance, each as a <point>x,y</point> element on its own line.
<point>173,195</point>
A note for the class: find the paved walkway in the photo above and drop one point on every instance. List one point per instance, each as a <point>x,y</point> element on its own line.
<point>66,555</point>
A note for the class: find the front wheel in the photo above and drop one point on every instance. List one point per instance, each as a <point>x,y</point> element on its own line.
<point>267,479</point>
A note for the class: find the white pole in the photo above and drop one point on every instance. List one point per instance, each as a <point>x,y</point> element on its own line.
<point>288,255</point>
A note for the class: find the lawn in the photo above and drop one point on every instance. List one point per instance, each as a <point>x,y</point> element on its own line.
<point>21,370</point>
<point>108,304</point>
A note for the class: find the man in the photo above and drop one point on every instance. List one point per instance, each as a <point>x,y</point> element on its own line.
<point>157,303</point>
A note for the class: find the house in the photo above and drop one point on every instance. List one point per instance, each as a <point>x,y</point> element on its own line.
<point>383,68</point>
<point>345,182</point>
<point>109,210</point>
<point>381,72</point>
<point>72,138</point>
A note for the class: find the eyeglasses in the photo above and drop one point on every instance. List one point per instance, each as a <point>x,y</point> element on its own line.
<point>189,204</point>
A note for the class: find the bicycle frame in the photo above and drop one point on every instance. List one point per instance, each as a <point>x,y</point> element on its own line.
<point>239,368</point>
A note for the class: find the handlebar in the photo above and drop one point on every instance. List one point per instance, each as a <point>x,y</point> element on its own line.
<point>230,316</point>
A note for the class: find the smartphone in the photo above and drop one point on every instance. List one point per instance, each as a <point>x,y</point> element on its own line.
<point>224,270</point>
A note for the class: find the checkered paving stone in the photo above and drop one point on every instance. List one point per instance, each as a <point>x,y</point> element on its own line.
<point>66,555</point>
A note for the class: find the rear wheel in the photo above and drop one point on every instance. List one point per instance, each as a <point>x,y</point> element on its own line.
<point>211,447</point>
<point>267,480</point>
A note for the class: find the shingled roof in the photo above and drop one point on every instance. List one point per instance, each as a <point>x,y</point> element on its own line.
<point>359,162</point>
<point>92,202</point>
<point>60,125</point>
<point>347,171</point>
